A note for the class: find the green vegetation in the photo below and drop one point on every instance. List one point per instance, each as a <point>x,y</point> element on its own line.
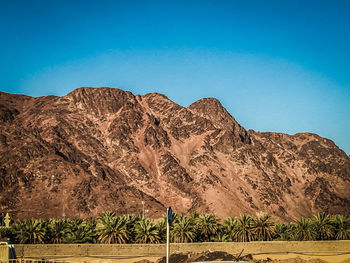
<point>184,229</point>
<point>147,232</point>
<point>110,228</point>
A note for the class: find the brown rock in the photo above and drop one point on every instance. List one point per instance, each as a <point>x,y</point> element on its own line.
<point>99,149</point>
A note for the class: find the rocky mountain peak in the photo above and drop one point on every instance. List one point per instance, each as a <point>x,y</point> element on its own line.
<point>99,101</point>
<point>102,149</point>
<point>212,109</point>
<point>160,104</point>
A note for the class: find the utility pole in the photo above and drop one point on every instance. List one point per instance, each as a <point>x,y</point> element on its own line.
<point>169,214</point>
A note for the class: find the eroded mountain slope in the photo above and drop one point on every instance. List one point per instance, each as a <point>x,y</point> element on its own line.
<point>99,149</point>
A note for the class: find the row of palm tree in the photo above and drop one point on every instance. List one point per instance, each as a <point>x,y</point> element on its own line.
<point>109,228</point>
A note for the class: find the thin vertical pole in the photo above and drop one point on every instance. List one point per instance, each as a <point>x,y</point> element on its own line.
<point>167,238</point>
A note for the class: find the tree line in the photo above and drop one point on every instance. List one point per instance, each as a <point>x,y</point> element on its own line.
<point>109,228</point>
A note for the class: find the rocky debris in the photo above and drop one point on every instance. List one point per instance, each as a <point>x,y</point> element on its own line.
<point>99,149</point>
<point>207,256</point>
<point>224,256</point>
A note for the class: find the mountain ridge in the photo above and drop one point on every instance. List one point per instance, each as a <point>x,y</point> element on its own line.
<point>98,149</point>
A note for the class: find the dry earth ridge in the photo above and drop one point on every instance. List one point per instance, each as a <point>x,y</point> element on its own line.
<point>99,149</point>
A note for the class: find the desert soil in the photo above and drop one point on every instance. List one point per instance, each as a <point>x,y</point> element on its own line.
<point>276,258</point>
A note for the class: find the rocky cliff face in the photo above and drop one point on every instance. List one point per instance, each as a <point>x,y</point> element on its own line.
<point>99,149</point>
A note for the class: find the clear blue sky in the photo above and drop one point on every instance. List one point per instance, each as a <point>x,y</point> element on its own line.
<point>280,66</point>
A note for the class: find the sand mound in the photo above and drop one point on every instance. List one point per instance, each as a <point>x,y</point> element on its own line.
<point>223,256</point>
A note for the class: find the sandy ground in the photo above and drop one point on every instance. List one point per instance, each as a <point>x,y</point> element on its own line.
<point>105,260</point>
<point>283,258</point>
<point>297,258</point>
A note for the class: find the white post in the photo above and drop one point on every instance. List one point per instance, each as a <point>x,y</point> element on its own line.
<point>167,238</point>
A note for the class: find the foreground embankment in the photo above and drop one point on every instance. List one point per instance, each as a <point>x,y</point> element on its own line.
<point>331,251</point>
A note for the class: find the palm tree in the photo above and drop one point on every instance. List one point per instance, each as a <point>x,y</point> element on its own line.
<point>58,230</point>
<point>90,230</point>
<point>222,236</point>
<point>193,215</point>
<point>111,229</point>
<point>6,233</point>
<point>263,227</point>
<point>207,226</point>
<point>106,216</point>
<point>243,231</point>
<point>228,227</point>
<point>323,226</point>
<point>161,226</point>
<point>184,230</point>
<point>147,232</point>
<point>80,231</point>
<point>304,229</point>
<point>81,234</point>
<point>130,222</point>
<point>29,231</point>
<point>284,231</point>
<point>342,227</point>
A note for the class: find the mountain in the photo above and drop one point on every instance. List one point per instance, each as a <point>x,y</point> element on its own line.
<point>102,149</point>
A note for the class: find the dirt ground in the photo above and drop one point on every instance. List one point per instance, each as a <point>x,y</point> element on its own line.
<point>275,258</point>
<point>107,260</point>
<point>295,258</point>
